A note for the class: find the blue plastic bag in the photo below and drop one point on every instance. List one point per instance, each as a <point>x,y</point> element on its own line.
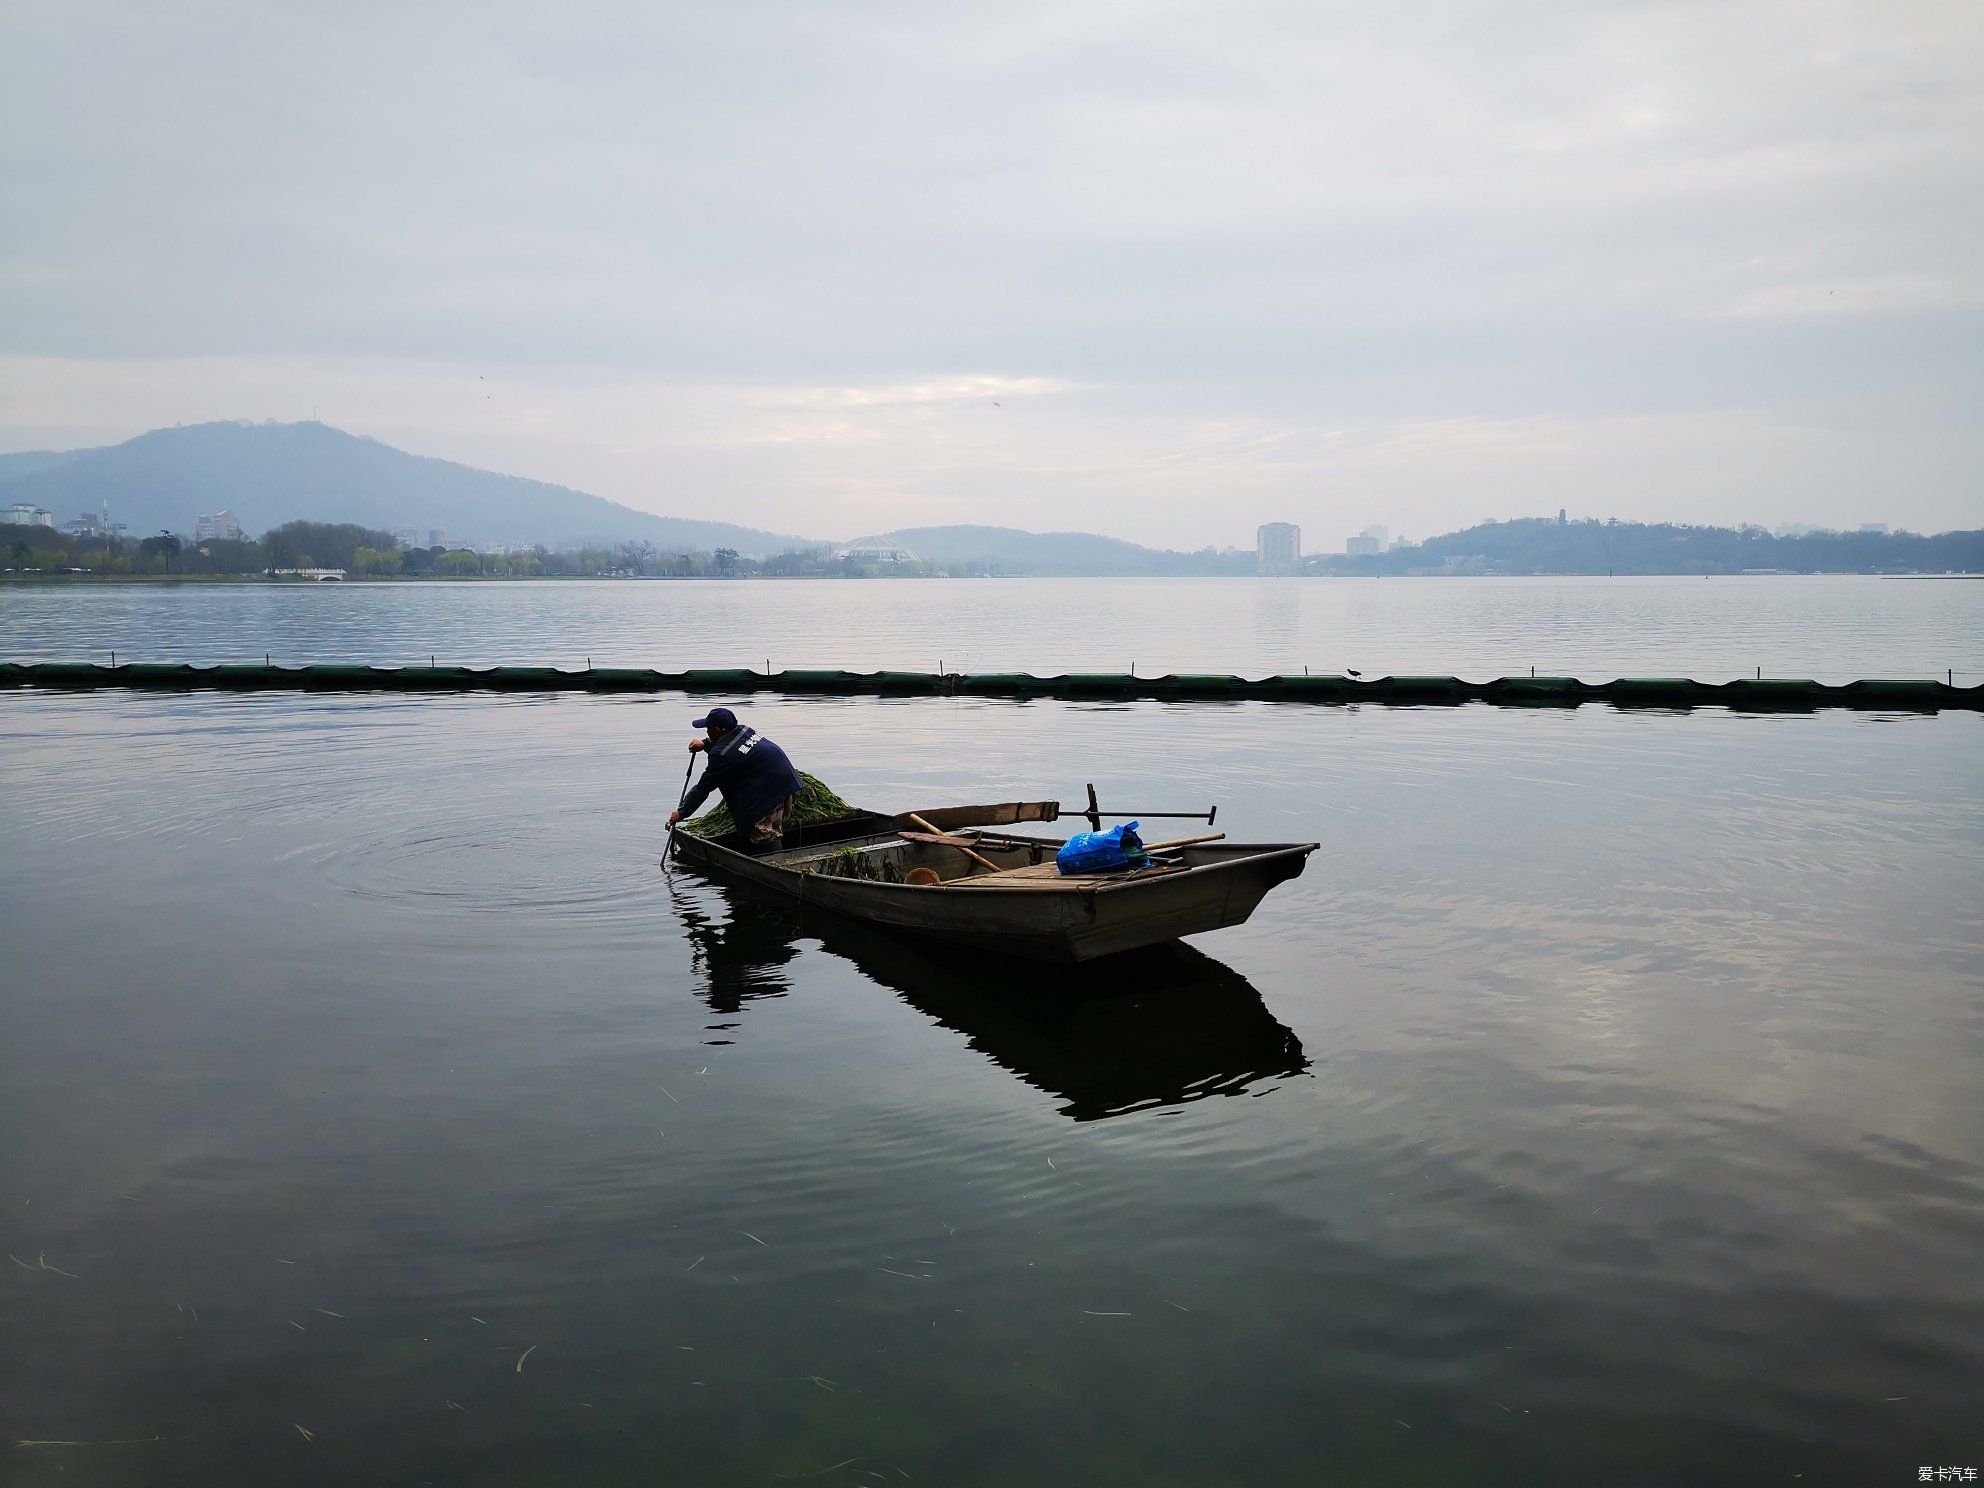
<point>1102,852</point>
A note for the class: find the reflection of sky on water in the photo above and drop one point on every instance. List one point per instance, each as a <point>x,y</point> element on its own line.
<point>1833,629</point>
<point>1640,1058</point>
<point>1278,619</point>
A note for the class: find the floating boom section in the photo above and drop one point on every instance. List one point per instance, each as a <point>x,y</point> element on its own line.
<point>1770,695</point>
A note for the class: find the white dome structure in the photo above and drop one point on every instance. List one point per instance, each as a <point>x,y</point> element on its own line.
<point>876,550</point>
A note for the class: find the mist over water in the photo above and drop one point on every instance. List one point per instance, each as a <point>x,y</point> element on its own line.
<point>1600,1101</point>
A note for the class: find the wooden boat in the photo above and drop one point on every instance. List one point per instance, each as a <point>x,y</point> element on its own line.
<point>1021,904</point>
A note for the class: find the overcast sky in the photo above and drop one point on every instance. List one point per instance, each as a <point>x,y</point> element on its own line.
<point>1164,271</point>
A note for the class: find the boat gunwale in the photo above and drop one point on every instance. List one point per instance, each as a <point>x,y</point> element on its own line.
<point>1241,856</point>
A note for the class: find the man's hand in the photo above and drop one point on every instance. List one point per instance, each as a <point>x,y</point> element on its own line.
<point>696,744</point>
<point>674,817</point>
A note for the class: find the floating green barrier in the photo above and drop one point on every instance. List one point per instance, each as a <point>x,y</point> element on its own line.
<point>1754,695</point>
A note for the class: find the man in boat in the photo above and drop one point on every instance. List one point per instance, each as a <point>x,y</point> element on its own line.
<point>757,780</point>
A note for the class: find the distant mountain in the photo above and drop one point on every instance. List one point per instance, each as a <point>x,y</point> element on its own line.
<point>268,474</point>
<point>1009,550</point>
<point>27,462</point>
<point>1544,545</point>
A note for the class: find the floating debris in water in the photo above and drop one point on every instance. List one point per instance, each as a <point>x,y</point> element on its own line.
<point>523,1356</point>
<point>122,1441</point>
<point>42,1265</point>
<point>821,1473</point>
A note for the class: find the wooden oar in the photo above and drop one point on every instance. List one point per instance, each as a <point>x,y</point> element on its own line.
<point>982,862</point>
<point>1182,842</point>
<point>937,839</point>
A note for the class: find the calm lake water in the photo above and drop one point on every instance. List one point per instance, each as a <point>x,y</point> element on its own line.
<point>1829,629</point>
<point>1600,1106</point>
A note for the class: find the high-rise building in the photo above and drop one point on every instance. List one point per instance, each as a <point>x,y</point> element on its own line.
<point>27,514</point>
<point>1277,544</point>
<point>1373,539</point>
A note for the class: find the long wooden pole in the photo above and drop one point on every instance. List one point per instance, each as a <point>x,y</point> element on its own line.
<point>1183,842</point>
<point>669,851</point>
<point>983,862</point>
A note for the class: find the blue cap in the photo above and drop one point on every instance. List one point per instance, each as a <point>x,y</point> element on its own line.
<point>721,716</point>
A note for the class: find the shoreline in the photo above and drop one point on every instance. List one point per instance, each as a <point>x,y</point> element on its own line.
<point>92,579</point>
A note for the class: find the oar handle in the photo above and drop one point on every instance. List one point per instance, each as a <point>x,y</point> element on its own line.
<point>1204,816</point>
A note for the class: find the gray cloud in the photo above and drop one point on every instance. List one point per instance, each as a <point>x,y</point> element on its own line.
<point>1304,255</point>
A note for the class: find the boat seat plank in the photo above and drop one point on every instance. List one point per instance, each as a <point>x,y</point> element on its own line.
<point>938,839</point>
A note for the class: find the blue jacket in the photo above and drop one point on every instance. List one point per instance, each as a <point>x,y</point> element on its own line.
<point>751,771</point>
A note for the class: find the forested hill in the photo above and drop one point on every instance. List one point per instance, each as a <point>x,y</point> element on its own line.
<point>1542,545</point>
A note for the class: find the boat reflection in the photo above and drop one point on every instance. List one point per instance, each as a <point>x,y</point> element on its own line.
<point>1160,1027</point>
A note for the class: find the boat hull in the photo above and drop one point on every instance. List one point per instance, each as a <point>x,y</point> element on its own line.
<point>1214,886</point>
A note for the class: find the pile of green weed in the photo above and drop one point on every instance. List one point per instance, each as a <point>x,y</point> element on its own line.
<point>851,863</point>
<point>816,802</point>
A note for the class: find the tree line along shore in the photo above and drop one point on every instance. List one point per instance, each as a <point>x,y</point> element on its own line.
<point>1522,547</point>
<point>308,549</point>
